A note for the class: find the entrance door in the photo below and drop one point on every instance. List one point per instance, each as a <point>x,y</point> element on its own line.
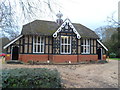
<point>15,53</point>
<point>99,52</point>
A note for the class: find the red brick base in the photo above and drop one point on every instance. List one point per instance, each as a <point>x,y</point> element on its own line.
<point>56,58</point>
<point>29,57</point>
<point>32,57</point>
<point>88,57</point>
<point>64,58</point>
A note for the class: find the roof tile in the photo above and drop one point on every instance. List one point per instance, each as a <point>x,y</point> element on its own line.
<point>41,27</point>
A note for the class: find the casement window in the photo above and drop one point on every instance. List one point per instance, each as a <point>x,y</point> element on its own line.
<point>85,47</point>
<point>65,47</point>
<point>38,44</point>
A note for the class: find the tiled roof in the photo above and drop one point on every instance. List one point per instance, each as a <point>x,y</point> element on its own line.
<point>41,27</point>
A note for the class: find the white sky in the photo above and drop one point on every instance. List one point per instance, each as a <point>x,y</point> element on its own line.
<point>91,13</point>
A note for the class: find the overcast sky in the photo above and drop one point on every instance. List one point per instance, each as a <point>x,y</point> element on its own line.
<point>91,13</point>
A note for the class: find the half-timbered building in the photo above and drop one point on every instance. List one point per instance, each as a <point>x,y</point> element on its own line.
<point>56,42</point>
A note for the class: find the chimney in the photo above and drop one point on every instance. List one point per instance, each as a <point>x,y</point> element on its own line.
<point>59,20</point>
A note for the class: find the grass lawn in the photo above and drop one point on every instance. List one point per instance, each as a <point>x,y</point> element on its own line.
<point>115,59</point>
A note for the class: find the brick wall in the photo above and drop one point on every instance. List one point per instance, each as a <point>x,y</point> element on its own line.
<point>56,58</point>
<point>64,58</point>
<point>28,57</point>
<point>32,57</point>
<point>88,57</point>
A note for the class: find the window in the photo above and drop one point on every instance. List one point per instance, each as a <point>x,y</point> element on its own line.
<point>38,44</point>
<point>65,45</point>
<point>85,46</point>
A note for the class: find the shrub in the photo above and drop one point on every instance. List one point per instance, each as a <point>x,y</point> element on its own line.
<point>31,78</point>
<point>102,61</point>
<point>92,61</point>
<point>30,62</point>
<point>112,55</point>
<point>14,62</point>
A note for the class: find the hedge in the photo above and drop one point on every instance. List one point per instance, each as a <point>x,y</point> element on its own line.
<point>102,61</point>
<point>112,55</point>
<point>31,78</point>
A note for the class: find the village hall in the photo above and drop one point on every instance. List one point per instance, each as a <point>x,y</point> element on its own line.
<point>57,41</point>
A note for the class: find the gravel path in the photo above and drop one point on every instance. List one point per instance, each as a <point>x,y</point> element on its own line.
<point>82,75</point>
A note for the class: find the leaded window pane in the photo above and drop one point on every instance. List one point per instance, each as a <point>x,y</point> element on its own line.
<point>41,48</point>
<point>66,48</point>
<point>35,48</point>
<point>65,40</point>
<point>41,40</point>
<point>69,40</point>
<point>38,39</point>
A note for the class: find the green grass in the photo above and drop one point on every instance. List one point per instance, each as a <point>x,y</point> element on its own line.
<point>115,59</point>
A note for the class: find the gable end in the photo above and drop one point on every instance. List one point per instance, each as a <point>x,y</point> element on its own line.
<point>60,28</point>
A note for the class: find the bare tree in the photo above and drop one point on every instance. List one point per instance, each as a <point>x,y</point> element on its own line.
<point>105,32</point>
<point>16,12</point>
<point>100,32</point>
<point>112,21</point>
<point>110,34</point>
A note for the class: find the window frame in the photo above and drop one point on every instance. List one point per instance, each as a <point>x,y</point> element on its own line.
<point>62,45</point>
<point>85,44</point>
<point>38,44</point>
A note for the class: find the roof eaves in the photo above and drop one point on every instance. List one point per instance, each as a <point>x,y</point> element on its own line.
<point>12,41</point>
<point>102,45</point>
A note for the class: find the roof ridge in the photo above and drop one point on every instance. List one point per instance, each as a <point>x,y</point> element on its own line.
<point>44,27</point>
<point>44,20</point>
<point>38,20</point>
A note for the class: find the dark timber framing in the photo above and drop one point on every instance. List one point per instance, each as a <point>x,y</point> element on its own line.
<point>28,45</point>
<point>23,44</point>
<point>32,45</point>
<point>90,45</point>
<point>93,46</point>
<point>52,45</point>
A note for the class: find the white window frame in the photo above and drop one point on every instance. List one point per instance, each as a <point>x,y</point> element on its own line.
<point>38,44</point>
<point>64,44</point>
<point>86,46</point>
